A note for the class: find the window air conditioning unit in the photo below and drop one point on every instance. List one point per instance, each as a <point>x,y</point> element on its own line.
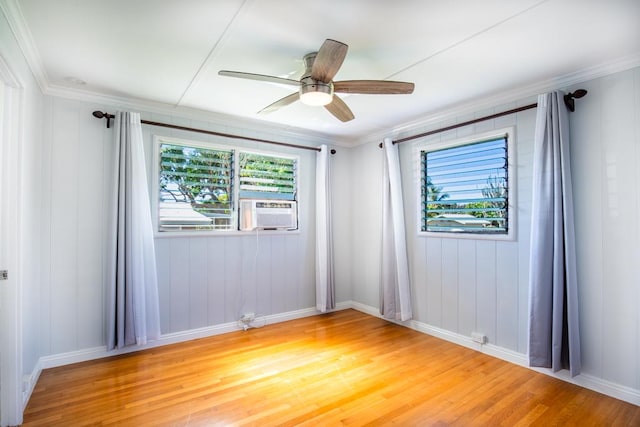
<point>268,215</point>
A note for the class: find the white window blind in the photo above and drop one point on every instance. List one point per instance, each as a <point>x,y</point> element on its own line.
<point>267,177</point>
<point>465,189</point>
<point>196,188</point>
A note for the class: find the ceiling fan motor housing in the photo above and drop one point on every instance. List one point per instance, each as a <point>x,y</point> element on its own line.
<point>309,86</point>
<point>314,92</point>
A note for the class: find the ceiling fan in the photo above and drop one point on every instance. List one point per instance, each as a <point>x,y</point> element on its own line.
<point>316,87</point>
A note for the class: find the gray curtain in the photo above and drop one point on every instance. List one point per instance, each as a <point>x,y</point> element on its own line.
<point>395,292</point>
<point>132,299</point>
<point>554,336</point>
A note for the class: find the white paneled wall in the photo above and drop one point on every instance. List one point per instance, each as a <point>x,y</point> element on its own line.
<point>209,281</point>
<point>463,286</point>
<point>606,169</point>
<point>467,285</point>
<point>75,166</point>
<point>203,281</point>
<point>366,217</point>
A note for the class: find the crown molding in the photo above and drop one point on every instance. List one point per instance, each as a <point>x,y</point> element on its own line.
<point>23,36</point>
<point>520,95</point>
<point>233,124</point>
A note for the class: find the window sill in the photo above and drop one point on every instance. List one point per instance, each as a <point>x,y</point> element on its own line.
<point>510,237</point>
<point>226,233</point>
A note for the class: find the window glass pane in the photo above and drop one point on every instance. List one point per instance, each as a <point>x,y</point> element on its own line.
<point>267,177</point>
<point>465,188</point>
<point>195,188</point>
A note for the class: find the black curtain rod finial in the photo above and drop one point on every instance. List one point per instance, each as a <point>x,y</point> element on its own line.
<point>569,98</point>
<point>101,115</point>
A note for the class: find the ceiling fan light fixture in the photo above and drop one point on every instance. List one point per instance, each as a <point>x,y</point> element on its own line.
<point>316,98</point>
<point>315,93</point>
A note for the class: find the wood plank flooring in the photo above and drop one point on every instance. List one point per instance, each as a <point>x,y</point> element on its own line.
<point>342,368</point>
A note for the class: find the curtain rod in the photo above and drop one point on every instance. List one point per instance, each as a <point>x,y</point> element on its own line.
<point>569,101</point>
<point>103,115</point>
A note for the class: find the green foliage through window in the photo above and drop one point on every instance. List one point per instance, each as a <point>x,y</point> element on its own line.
<point>270,177</point>
<point>198,184</point>
<point>195,188</point>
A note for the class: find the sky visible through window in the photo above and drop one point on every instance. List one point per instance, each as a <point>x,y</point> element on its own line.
<point>466,182</point>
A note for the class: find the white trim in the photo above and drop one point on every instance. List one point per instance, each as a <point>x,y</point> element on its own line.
<point>431,120</point>
<point>433,144</point>
<point>23,37</point>
<point>11,400</point>
<point>243,126</point>
<point>29,383</point>
<point>84,355</point>
<point>590,382</point>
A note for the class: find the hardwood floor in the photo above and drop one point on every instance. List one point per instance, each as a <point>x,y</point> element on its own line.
<point>342,368</point>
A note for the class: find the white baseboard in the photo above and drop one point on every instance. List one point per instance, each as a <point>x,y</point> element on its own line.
<point>84,355</point>
<point>599,385</point>
<point>29,383</point>
<point>61,359</point>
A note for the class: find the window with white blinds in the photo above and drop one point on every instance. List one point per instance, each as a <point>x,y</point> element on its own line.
<point>465,187</point>
<point>267,177</point>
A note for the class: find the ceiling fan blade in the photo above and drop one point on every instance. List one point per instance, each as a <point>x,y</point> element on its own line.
<point>259,77</point>
<point>339,109</point>
<point>283,102</point>
<point>382,87</point>
<point>328,60</point>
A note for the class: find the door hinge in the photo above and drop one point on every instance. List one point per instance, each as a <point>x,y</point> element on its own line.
<point>4,275</point>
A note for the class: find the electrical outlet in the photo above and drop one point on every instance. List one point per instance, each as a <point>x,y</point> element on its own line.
<point>479,338</point>
<point>248,317</point>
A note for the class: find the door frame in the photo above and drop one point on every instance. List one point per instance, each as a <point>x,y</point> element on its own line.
<point>11,128</point>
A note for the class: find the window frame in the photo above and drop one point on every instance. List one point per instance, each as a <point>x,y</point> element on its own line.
<point>158,140</point>
<point>435,145</point>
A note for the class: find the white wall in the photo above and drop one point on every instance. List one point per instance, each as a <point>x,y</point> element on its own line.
<point>341,194</point>
<point>366,216</point>
<point>466,285</point>
<point>463,285</point>
<point>459,285</point>
<point>203,281</point>
<point>605,131</point>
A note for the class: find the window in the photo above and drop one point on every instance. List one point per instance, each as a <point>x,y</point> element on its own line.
<point>465,187</point>
<point>198,189</point>
<point>267,177</point>
<point>195,188</point>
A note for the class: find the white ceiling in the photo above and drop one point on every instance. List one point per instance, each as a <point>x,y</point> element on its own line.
<point>456,51</point>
